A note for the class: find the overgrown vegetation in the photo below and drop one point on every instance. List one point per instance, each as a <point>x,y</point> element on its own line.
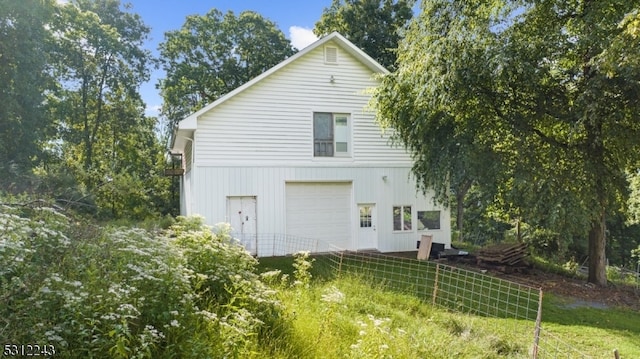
<point>122,292</point>
<point>358,317</point>
<point>189,290</point>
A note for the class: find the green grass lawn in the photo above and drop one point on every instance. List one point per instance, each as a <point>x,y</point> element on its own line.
<point>383,311</point>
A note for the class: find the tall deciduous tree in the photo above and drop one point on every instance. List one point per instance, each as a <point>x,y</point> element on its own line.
<point>375,26</point>
<point>213,54</point>
<point>107,141</point>
<point>100,67</point>
<point>24,80</point>
<point>552,86</point>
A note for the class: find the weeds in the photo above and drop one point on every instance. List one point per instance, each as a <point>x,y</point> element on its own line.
<point>189,291</point>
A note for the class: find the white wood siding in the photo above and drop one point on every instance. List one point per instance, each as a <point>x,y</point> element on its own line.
<point>214,184</point>
<point>188,156</point>
<point>272,120</point>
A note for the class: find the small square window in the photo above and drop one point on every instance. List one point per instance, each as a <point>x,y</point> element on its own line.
<point>428,220</point>
<point>402,218</point>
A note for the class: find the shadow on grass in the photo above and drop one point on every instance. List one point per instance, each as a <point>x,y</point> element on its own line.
<point>320,270</point>
<point>563,311</point>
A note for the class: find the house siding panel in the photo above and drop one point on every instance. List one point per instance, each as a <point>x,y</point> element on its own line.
<point>268,185</point>
<point>272,120</point>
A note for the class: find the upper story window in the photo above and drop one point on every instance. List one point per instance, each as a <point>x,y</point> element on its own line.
<point>331,134</point>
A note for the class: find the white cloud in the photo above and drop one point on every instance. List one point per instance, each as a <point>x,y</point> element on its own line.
<point>153,111</point>
<point>301,37</point>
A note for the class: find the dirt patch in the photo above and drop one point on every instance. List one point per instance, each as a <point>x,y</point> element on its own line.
<point>577,291</point>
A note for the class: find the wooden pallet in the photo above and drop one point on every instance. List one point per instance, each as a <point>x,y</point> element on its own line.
<point>503,253</point>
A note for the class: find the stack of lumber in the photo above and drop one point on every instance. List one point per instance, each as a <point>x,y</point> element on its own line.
<point>503,253</point>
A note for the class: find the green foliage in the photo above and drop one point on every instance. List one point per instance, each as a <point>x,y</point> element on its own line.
<point>72,122</point>
<point>101,63</point>
<point>302,265</point>
<point>25,44</point>
<point>104,147</point>
<point>633,212</point>
<point>546,88</point>
<point>213,54</point>
<point>354,318</point>
<point>623,238</point>
<point>546,243</point>
<point>635,253</point>
<point>375,26</point>
<point>360,317</point>
<point>128,292</point>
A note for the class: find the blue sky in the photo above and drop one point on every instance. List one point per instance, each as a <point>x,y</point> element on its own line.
<point>295,18</point>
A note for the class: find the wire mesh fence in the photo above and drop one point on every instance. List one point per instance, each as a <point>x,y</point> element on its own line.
<point>278,244</point>
<point>449,287</point>
<point>552,346</point>
<point>446,286</point>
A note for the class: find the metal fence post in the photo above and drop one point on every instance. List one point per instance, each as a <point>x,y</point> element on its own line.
<point>435,284</point>
<point>536,332</point>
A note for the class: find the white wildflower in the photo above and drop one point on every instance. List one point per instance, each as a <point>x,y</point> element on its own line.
<point>155,333</point>
<point>208,315</point>
<point>110,316</point>
<point>333,295</point>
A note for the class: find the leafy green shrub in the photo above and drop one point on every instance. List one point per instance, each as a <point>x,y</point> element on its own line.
<point>122,292</point>
<point>635,254</point>
<point>302,265</point>
<point>225,273</point>
<point>546,243</point>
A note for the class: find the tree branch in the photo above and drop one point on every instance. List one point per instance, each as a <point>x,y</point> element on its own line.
<point>490,95</point>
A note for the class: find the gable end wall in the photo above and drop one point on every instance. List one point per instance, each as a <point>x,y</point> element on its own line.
<point>271,121</point>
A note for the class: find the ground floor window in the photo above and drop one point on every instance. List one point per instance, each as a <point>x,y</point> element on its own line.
<point>428,220</point>
<point>402,218</point>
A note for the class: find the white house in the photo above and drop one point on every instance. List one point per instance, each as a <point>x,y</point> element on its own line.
<point>296,152</point>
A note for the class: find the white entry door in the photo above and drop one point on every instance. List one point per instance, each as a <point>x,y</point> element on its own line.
<point>241,212</point>
<point>367,234</point>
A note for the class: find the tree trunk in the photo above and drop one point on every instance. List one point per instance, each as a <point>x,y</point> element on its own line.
<point>460,215</point>
<point>461,193</point>
<point>597,260</point>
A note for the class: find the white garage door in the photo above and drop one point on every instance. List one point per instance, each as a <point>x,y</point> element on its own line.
<point>321,211</point>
